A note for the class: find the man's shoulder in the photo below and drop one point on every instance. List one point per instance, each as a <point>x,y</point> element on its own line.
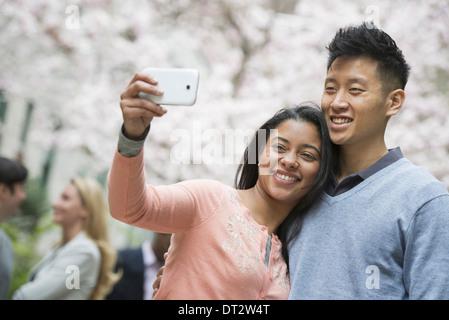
<point>414,177</point>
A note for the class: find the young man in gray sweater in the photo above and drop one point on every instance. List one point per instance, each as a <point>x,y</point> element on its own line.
<point>381,229</point>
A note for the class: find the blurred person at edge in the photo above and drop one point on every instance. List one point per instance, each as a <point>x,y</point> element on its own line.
<point>81,265</point>
<point>139,267</point>
<point>13,176</point>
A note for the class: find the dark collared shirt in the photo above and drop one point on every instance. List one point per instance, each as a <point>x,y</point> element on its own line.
<point>334,188</point>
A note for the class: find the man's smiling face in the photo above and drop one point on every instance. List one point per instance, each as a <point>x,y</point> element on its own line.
<point>353,101</point>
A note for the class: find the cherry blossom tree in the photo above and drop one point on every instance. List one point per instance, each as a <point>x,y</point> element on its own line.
<point>74,58</point>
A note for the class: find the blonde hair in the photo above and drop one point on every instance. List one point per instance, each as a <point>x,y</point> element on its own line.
<point>95,227</point>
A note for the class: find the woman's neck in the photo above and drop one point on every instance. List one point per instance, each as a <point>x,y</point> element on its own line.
<point>70,232</point>
<point>264,210</point>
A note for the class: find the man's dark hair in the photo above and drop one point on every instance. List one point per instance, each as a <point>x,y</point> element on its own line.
<point>12,172</point>
<point>368,40</point>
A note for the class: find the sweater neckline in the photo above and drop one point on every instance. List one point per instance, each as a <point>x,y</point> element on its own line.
<point>331,199</point>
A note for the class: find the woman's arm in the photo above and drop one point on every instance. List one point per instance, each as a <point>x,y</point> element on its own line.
<point>167,209</point>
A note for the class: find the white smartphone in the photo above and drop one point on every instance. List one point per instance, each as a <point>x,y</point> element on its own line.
<point>180,86</point>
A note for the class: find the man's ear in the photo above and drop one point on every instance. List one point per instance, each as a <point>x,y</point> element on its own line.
<point>395,100</point>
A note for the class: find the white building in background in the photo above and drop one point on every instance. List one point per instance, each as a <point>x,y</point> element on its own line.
<point>16,119</point>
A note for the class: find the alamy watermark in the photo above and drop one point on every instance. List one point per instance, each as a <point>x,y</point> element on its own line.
<point>72,20</point>
<point>373,280</point>
<point>373,15</point>
<point>208,146</point>
<point>73,280</point>
<point>212,146</point>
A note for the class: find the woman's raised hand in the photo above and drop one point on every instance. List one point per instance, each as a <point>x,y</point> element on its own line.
<point>139,112</point>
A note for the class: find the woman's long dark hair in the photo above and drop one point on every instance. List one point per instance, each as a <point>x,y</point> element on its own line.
<point>248,171</point>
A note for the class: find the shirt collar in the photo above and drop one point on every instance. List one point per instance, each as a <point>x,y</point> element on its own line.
<point>391,157</point>
<point>334,188</point>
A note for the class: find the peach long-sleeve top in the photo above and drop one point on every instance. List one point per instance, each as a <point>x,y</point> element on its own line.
<point>218,251</point>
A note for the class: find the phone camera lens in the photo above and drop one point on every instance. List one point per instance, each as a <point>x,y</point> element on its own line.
<point>188,87</point>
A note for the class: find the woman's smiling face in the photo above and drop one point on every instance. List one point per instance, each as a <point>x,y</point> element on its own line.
<point>69,209</point>
<point>290,162</point>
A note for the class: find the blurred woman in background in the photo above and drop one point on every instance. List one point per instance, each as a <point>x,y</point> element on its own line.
<point>81,264</point>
